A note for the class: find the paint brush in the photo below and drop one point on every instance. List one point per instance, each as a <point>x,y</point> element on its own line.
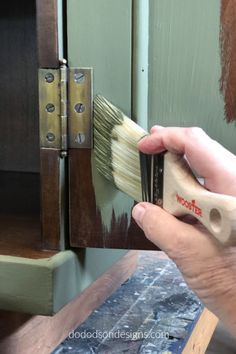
<point>164,179</point>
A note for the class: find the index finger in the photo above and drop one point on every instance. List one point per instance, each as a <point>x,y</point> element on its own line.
<point>207,157</point>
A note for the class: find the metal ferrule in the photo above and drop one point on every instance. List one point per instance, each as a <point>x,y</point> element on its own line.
<point>152,169</point>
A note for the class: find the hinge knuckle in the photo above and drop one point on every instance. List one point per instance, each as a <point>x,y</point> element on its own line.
<point>64,107</point>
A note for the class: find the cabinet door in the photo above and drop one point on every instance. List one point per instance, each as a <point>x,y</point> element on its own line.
<point>100,36</point>
<point>160,62</point>
<point>52,166</point>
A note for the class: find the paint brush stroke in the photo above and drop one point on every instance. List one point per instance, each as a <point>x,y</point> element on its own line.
<point>87,225</point>
<point>228,57</point>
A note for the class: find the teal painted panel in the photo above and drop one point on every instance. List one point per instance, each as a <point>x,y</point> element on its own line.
<point>185,68</point>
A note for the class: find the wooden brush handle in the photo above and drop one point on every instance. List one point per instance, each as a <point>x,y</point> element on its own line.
<point>183,194</point>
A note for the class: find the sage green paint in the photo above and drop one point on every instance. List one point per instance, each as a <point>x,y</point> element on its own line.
<point>184,67</point>
<point>140,62</point>
<point>100,36</point>
<point>44,286</point>
<point>60,28</point>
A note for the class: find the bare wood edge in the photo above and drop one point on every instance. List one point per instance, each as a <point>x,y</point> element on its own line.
<point>51,204</point>
<point>41,334</point>
<point>202,333</point>
<point>47,33</point>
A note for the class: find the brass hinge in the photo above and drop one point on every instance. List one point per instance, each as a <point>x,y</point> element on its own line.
<point>80,107</point>
<point>65,104</point>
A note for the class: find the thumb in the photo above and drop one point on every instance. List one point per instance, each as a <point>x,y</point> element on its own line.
<point>163,229</point>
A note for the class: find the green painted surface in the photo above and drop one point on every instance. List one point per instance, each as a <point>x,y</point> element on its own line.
<point>44,286</point>
<point>60,28</point>
<point>184,67</point>
<point>140,62</point>
<point>100,36</point>
<point>25,285</point>
<point>183,63</point>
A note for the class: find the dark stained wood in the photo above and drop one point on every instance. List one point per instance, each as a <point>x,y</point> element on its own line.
<point>20,235</point>
<point>19,192</point>
<point>51,202</point>
<point>64,25</point>
<point>86,229</point>
<point>48,57</point>
<point>20,231</point>
<point>228,57</point>
<point>19,119</point>
<point>26,334</point>
<point>47,32</point>
<point>20,165</point>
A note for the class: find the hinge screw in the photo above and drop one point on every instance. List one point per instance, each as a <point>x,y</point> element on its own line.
<point>80,138</point>
<point>49,77</point>
<point>79,77</point>
<point>50,137</point>
<point>50,108</point>
<point>63,154</point>
<point>79,107</point>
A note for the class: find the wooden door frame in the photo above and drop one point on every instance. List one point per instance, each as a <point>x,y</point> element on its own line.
<point>51,162</point>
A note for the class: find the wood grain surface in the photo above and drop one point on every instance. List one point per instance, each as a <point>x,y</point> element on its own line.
<point>86,225</point>
<point>47,33</point>
<point>228,57</point>
<point>20,235</point>
<point>202,333</point>
<point>52,199</point>
<point>23,48</point>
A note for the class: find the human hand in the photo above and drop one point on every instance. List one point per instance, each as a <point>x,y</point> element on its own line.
<point>208,267</point>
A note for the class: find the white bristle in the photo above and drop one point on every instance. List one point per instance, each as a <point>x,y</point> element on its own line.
<point>115,141</point>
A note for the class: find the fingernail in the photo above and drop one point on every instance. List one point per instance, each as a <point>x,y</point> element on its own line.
<point>143,137</point>
<point>155,128</point>
<point>138,213</point>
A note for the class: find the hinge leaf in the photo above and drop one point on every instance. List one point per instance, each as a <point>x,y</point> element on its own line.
<point>80,107</point>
